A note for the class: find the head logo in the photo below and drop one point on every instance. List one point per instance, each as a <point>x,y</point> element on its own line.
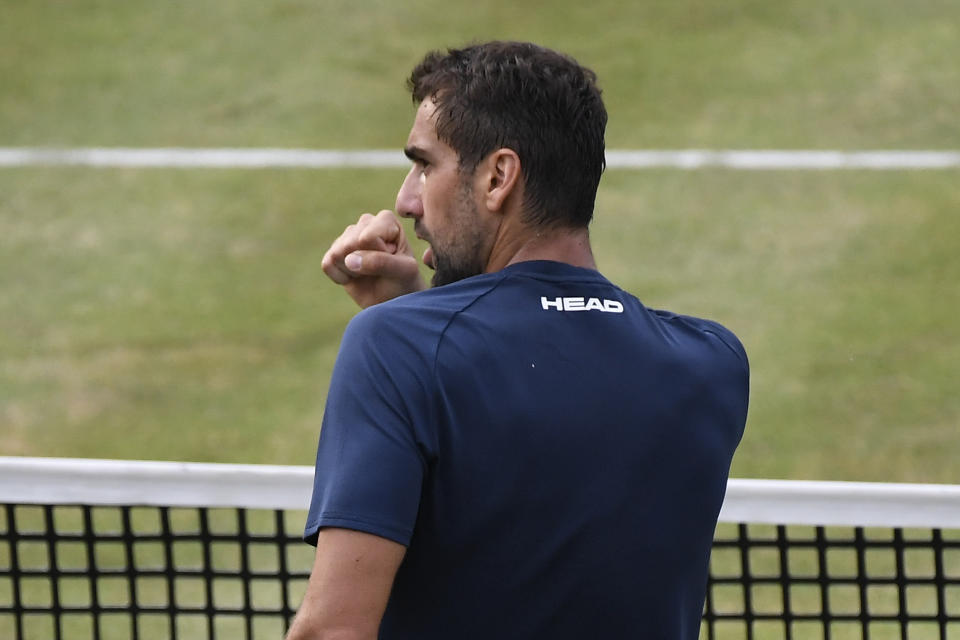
<point>581,304</point>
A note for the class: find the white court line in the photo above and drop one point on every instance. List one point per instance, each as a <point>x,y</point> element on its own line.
<point>200,158</point>
<point>784,159</point>
<point>379,158</point>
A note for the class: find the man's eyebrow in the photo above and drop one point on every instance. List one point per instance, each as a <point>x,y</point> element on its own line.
<point>415,154</point>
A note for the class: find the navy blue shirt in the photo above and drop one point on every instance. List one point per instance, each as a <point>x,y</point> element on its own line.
<point>553,454</point>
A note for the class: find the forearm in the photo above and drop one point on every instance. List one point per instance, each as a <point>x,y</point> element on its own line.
<point>348,588</point>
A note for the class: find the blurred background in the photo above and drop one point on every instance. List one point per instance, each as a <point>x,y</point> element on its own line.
<point>181,314</point>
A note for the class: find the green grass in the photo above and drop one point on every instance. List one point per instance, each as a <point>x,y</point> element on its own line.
<point>745,73</point>
<point>184,315</point>
<point>172,315</point>
<point>168,314</point>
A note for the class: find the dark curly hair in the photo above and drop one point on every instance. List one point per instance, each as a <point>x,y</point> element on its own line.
<point>540,103</point>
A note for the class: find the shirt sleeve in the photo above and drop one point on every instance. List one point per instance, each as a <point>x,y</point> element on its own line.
<point>370,467</point>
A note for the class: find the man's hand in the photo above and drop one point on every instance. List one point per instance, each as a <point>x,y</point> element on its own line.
<point>373,260</point>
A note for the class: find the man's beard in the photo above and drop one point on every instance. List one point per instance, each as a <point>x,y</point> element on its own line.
<point>465,257</point>
<point>451,270</point>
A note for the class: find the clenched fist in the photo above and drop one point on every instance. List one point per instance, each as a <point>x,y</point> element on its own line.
<point>373,260</point>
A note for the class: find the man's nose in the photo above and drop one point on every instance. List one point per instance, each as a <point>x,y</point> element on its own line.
<point>409,204</point>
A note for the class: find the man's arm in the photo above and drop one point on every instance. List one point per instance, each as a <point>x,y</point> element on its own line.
<point>373,260</point>
<point>348,588</point>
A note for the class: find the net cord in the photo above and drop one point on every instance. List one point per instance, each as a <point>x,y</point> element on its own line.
<point>127,482</point>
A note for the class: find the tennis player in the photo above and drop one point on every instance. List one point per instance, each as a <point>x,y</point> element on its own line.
<point>523,450</point>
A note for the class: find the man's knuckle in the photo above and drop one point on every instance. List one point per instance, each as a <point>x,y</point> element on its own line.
<point>328,262</point>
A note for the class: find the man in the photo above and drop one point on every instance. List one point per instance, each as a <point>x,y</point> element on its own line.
<point>524,450</point>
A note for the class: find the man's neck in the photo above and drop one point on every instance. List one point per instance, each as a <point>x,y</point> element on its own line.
<point>570,246</point>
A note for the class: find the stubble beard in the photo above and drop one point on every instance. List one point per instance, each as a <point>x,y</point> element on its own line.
<point>464,256</point>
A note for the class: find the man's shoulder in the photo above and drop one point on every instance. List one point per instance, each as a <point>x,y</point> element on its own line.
<point>449,298</point>
<point>424,312</point>
<point>709,329</point>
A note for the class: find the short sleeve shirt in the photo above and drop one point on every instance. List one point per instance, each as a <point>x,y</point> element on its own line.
<point>553,454</point>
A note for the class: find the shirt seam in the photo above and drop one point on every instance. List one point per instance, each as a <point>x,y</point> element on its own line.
<point>443,332</point>
<point>737,352</point>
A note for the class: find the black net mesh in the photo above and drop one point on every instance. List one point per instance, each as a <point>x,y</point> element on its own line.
<point>77,572</point>
<point>106,572</point>
<point>833,583</point>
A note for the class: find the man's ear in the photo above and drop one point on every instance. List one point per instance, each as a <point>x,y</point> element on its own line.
<point>503,178</point>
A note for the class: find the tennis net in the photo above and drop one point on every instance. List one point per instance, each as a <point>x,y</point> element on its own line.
<point>115,550</point>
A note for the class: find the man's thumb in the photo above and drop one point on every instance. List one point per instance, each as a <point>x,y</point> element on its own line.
<point>354,261</point>
<point>381,264</point>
